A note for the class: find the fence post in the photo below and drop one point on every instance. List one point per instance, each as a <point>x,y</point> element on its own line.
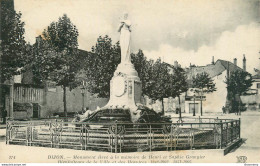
<point>116,141</point>
<point>171,138</point>
<point>231,134</point>
<point>150,144</point>
<point>85,132</point>
<point>31,131</point>
<point>7,133</point>
<point>239,129</point>
<point>216,134</point>
<point>199,122</point>
<point>55,133</point>
<point>27,133</point>
<point>81,135</point>
<point>190,139</point>
<point>51,131</point>
<point>227,132</point>
<point>221,134</point>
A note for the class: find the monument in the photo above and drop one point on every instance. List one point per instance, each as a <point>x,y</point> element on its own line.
<point>125,89</point>
<point>125,86</point>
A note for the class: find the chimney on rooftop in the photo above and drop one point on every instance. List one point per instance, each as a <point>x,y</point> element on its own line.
<point>213,62</point>
<point>175,64</point>
<point>235,61</point>
<point>244,63</point>
<point>38,39</point>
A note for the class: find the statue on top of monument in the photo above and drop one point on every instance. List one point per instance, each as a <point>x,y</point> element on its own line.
<point>125,33</point>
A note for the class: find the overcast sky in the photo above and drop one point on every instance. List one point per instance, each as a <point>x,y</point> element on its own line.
<point>183,30</point>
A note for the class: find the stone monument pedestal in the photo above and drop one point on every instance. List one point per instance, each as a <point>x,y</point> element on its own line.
<point>125,88</point>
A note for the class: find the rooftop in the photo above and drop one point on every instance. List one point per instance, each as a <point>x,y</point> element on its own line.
<point>212,69</point>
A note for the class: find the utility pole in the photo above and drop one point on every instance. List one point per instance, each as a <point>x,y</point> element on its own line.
<point>180,118</point>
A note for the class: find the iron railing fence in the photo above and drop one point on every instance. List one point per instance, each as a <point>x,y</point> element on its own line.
<point>124,137</point>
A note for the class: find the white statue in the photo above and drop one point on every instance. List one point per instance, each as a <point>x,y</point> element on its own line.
<point>125,33</point>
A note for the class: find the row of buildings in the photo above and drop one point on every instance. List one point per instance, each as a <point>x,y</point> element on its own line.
<point>215,101</point>
<point>24,100</point>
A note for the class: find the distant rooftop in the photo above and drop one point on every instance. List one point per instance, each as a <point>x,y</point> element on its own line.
<point>228,65</point>
<point>212,69</point>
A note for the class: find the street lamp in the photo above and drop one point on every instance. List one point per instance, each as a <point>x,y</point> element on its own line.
<point>82,91</point>
<point>201,94</point>
<point>194,104</point>
<point>180,118</point>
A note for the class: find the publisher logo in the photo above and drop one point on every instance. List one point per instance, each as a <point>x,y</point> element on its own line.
<point>241,159</point>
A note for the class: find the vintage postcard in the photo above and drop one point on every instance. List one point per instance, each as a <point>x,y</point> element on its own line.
<point>141,81</point>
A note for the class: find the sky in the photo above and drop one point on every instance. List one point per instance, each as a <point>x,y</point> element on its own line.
<point>176,30</point>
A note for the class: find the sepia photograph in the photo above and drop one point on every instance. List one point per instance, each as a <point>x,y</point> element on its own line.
<point>140,81</point>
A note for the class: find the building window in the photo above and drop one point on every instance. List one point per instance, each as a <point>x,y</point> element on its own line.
<point>258,85</point>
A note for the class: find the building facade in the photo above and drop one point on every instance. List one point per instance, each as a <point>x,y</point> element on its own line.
<point>252,100</point>
<point>215,101</point>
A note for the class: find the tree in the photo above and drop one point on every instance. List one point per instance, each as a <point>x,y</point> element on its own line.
<point>62,37</point>
<point>238,84</point>
<point>13,46</point>
<point>204,84</point>
<point>160,83</point>
<point>144,70</point>
<point>159,80</point>
<point>43,60</point>
<point>101,65</point>
<point>179,84</point>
